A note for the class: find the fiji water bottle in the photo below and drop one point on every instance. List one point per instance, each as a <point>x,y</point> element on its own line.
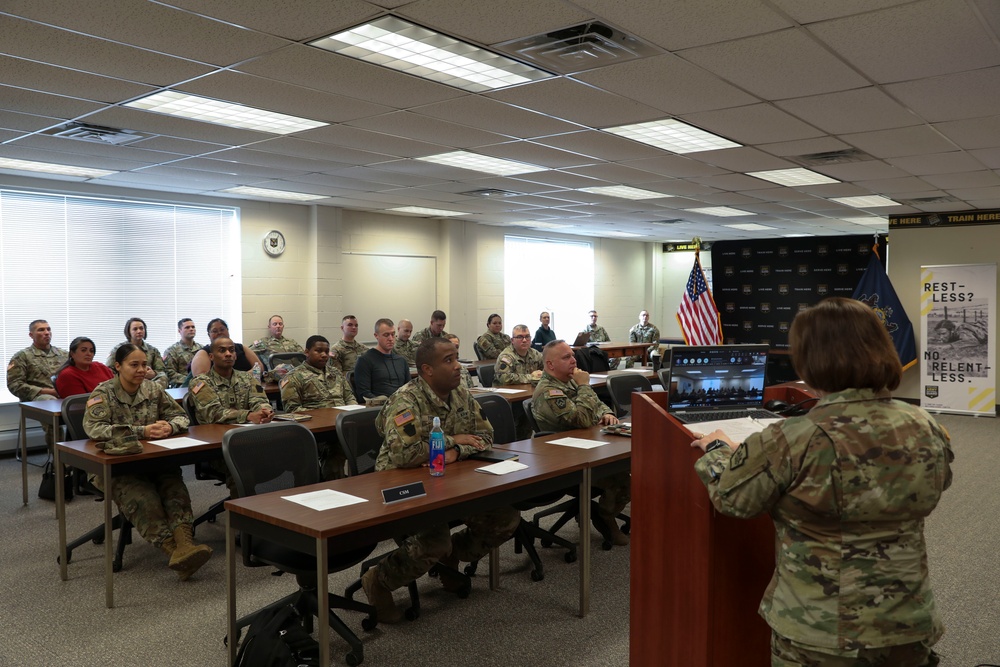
<point>437,449</point>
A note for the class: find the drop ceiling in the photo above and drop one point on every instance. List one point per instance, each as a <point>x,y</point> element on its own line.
<point>910,88</point>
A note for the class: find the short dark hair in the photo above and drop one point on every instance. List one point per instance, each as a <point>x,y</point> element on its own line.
<point>211,348</point>
<point>180,322</point>
<point>427,350</point>
<point>549,347</point>
<point>438,315</point>
<point>128,326</point>
<point>347,317</point>
<point>208,329</point>
<point>312,340</point>
<point>31,325</point>
<point>490,318</point>
<point>379,322</point>
<point>841,344</point>
<point>76,343</point>
<point>124,350</point>
<point>274,316</point>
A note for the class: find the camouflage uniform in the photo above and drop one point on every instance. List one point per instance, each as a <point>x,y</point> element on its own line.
<point>270,345</point>
<point>408,350</point>
<point>177,360</point>
<point>221,401</point>
<point>848,487</point>
<point>643,334</point>
<point>512,368</point>
<point>405,424</point>
<point>153,358</point>
<point>308,388</point>
<point>467,380</point>
<point>599,334</point>
<point>563,406</point>
<point>418,337</point>
<point>344,355</point>
<point>30,371</point>
<point>155,503</point>
<point>492,344</point>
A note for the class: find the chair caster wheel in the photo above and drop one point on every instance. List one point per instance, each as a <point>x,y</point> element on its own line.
<point>368,623</point>
<point>570,557</point>
<point>411,614</point>
<point>537,576</point>
<point>69,557</point>
<point>353,659</point>
<point>116,567</point>
<point>545,543</point>
<point>606,545</point>
<point>98,540</point>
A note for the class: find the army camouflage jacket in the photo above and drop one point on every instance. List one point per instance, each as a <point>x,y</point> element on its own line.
<point>31,370</point>
<point>644,334</point>
<point>512,368</point>
<point>344,355</point>
<point>221,401</point>
<point>492,344</point>
<point>599,334</point>
<point>418,337</point>
<point>407,349</point>
<point>848,487</point>
<point>270,344</point>
<point>308,388</point>
<point>563,406</point>
<point>405,424</point>
<point>177,360</point>
<point>153,358</point>
<point>110,405</point>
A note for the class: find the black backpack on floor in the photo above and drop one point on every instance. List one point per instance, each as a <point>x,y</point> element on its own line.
<point>276,638</point>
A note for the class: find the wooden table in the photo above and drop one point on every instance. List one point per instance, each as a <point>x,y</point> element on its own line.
<point>460,492</point>
<point>616,350</point>
<point>41,411</point>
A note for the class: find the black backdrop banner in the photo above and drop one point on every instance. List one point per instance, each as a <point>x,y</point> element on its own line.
<point>760,285</point>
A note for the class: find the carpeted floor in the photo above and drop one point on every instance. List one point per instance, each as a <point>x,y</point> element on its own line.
<point>160,621</point>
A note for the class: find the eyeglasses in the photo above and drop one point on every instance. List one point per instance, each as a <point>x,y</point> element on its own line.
<point>521,337</point>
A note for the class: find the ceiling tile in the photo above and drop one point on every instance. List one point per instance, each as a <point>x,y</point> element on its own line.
<point>894,44</point>
<point>988,156</point>
<point>733,182</point>
<point>68,49</point>
<point>25,122</point>
<point>380,177</point>
<point>44,104</point>
<point>496,116</point>
<point>494,21</point>
<point>868,170</point>
<point>75,159</point>
<point>804,147</point>
<point>762,66</point>
<point>898,143</point>
<point>941,163</point>
<point>676,166</point>
<point>146,121</point>
<point>974,179</point>
<point>743,159</point>
<point>684,87</point>
<point>972,133</point>
<point>953,96</point>
<point>615,173</point>
<point>888,187</point>
<point>353,137</point>
<point>297,20</point>
<point>860,110</point>
<point>71,83</point>
<point>601,145</point>
<point>576,102</point>
<point>424,128</point>
<point>756,124</point>
<point>810,11</point>
<point>536,154</point>
<point>973,194</point>
<point>320,151</point>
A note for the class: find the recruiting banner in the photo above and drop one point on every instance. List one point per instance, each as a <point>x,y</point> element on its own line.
<point>956,327</point>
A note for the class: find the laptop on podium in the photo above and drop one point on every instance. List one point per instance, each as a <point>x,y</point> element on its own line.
<point>717,382</point>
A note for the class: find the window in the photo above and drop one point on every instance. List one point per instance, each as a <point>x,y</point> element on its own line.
<point>549,275</point>
<point>87,264</point>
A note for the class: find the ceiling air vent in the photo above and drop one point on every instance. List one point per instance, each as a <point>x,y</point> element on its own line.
<point>492,193</point>
<point>668,221</point>
<point>578,48</point>
<point>923,201</point>
<point>831,157</point>
<point>96,134</point>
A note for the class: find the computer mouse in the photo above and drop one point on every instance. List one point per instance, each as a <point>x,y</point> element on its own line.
<point>775,405</point>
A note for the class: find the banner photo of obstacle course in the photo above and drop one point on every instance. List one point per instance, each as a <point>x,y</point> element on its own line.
<point>957,326</point>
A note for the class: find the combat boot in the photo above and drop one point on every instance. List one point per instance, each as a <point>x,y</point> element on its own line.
<point>168,546</point>
<point>187,556</point>
<point>380,597</point>
<point>607,526</point>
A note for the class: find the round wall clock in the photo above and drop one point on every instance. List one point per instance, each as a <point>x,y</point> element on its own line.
<point>274,243</point>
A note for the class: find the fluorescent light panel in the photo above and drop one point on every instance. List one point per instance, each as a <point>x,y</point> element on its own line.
<point>793,177</point>
<point>484,163</point>
<point>207,110</point>
<point>623,235</point>
<point>673,135</point>
<point>403,46</point>
<point>273,194</point>
<point>750,227</point>
<point>795,236</point>
<point>625,192</point>
<point>537,224</point>
<point>872,201</point>
<point>721,211</point>
<point>50,168</point>
<point>872,222</point>
<point>420,210</point>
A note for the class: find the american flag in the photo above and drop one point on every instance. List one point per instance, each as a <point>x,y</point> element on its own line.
<point>697,314</point>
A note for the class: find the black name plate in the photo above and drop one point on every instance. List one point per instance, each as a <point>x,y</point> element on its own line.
<point>405,492</point>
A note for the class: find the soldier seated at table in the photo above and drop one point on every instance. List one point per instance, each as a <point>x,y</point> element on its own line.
<point>405,423</point>
<point>313,385</point>
<point>275,340</point>
<point>405,346</point>
<point>345,352</point>
<point>643,332</point>
<point>564,401</point>
<point>30,371</point>
<point>177,358</point>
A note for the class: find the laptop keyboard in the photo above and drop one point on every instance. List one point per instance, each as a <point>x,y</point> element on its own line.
<point>727,414</point>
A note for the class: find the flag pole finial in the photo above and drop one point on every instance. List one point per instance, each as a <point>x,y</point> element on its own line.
<point>696,241</point>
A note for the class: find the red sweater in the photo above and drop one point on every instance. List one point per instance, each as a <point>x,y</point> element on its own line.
<point>74,381</point>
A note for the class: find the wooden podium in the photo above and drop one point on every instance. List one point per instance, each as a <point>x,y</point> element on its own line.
<point>697,576</point>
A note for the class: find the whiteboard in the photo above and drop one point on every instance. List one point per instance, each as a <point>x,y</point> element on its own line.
<point>393,286</point>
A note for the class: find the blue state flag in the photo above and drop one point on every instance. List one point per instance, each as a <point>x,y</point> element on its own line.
<point>877,293</point>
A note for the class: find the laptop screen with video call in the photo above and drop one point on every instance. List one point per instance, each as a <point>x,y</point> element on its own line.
<point>716,378</point>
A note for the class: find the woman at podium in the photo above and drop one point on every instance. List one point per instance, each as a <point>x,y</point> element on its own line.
<point>848,486</point>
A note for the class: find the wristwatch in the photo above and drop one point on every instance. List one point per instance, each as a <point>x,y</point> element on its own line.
<point>715,444</point>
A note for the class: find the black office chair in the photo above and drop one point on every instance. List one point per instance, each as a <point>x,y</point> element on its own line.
<point>293,358</point>
<point>621,387</point>
<point>486,374</point>
<point>664,377</point>
<point>358,398</point>
<point>497,411</point>
<point>275,457</point>
<point>479,351</point>
<point>531,418</point>
<point>73,409</point>
<point>203,471</point>
<point>361,444</point>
